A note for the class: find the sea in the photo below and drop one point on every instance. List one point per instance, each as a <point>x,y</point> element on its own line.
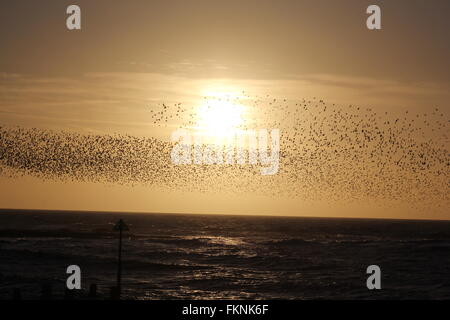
<point>189,256</point>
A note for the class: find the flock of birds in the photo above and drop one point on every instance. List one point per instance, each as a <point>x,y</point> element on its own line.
<point>328,153</point>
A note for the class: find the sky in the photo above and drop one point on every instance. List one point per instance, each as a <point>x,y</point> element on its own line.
<point>131,56</point>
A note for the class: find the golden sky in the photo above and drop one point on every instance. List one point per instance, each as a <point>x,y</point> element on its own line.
<point>130,57</point>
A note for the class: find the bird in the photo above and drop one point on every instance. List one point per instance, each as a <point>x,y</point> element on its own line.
<point>328,152</point>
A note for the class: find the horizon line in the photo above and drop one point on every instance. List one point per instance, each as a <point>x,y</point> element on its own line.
<point>18,211</point>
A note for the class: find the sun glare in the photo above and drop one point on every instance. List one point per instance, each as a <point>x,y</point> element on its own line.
<point>219,116</point>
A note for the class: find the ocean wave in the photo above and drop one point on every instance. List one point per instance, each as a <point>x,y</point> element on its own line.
<point>54,234</point>
<point>288,242</point>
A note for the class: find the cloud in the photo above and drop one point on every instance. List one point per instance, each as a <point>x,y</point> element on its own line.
<point>95,100</point>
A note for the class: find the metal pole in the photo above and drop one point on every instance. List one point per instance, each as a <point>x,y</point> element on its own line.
<point>119,267</point>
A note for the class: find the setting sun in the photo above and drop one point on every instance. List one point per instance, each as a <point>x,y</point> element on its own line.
<point>219,117</point>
